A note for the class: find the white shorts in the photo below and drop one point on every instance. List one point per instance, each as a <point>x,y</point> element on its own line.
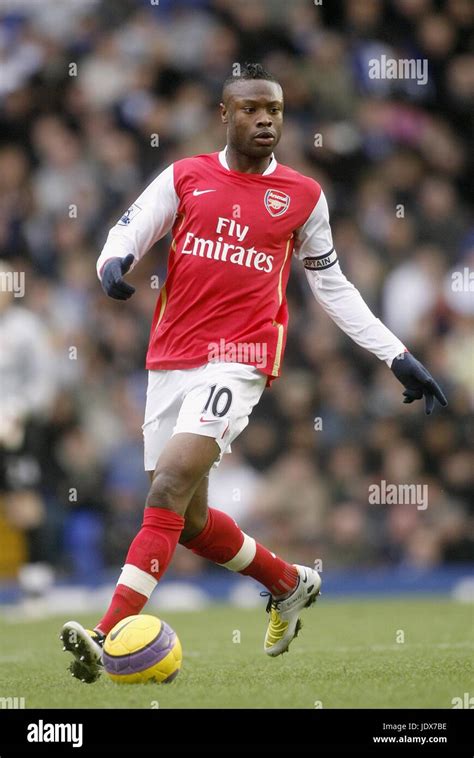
<point>214,400</point>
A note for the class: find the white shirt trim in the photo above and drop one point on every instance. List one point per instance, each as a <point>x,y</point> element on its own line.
<point>271,168</point>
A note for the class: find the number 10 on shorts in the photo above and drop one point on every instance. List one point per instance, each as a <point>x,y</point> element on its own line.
<point>219,401</point>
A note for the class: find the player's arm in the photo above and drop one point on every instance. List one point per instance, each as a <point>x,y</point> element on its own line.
<point>344,304</point>
<point>149,218</point>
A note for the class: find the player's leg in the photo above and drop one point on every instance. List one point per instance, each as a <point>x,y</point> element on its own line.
<point>290,587</point>
<point>196,514</point>
<point>221,540</point>
<point>178,473</point>
<point>165,393</point>
<point>214,535</point>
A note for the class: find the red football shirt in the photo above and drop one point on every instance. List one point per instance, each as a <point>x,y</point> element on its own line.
<point>229,263</point>
<point>233,238</point>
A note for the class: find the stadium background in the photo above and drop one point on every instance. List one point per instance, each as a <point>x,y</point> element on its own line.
<point>77,147</point>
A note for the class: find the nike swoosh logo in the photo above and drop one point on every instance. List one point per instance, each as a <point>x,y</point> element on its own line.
<point>115,634</point>
<point>206,420</point>
<point>202,192</point>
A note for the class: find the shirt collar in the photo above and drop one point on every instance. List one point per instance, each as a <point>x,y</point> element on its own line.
<point>271,168</point>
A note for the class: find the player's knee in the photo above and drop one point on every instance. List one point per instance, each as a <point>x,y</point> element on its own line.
<point>171,489</point>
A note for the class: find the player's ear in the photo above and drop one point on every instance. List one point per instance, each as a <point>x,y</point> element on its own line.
<point>223,113</point>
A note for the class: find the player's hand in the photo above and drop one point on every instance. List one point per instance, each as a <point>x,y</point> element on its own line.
<point>417,381</point>
<point>112,278</point>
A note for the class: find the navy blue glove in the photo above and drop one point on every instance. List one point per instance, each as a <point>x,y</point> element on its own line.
<point>112,281</point>
<point>417,382</point>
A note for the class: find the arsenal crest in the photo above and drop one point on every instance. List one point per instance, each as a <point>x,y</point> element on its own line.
<point>276,202</point>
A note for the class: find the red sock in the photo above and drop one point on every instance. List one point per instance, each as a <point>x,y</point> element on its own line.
<point>146,562</point>
<point>223,542</point>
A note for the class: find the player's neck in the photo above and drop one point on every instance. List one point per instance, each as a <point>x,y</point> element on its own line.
<point>245,164</point>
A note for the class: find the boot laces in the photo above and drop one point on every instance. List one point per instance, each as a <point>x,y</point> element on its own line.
<point>271,603</point>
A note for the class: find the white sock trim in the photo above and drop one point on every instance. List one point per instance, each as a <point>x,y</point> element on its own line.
<point>137,580</point>
<point>244,557</point>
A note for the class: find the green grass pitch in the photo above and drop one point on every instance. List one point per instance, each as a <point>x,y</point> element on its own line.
<point>346,656</point>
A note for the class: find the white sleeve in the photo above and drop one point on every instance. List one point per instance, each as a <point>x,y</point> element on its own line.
<point>314,238</point>
<point>339,298</point>
<point>149,218</point>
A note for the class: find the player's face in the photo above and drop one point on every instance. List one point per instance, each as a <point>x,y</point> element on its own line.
<point>253,112</point>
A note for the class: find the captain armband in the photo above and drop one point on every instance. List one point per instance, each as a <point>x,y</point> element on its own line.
<point>320,262</point>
